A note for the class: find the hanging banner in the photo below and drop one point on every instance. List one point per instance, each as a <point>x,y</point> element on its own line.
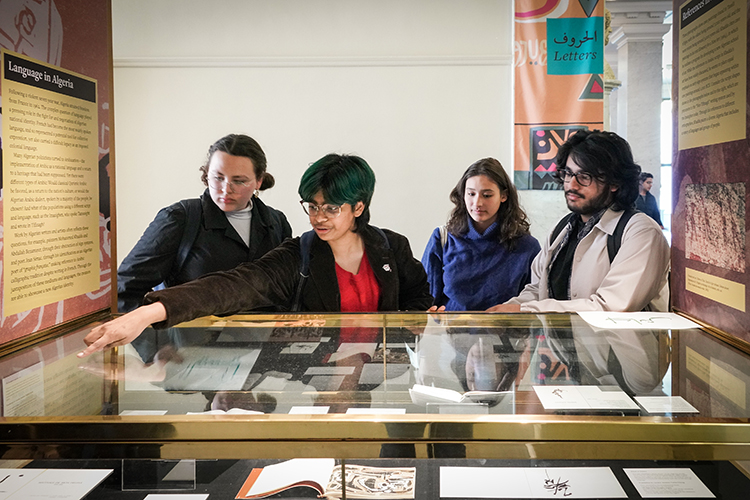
<point>559,62</point>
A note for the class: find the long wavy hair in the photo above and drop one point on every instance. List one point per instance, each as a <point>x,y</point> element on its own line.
<point>511,219</point>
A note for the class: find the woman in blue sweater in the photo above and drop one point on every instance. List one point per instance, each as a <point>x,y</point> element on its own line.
<point>482,256</point>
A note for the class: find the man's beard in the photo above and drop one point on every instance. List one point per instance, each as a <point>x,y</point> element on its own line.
<point>591,206</point>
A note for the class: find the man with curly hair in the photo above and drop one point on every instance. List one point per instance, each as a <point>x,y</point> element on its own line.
<point>604,255</point>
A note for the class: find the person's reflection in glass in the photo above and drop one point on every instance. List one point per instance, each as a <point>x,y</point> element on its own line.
<point>485,360</point>
<point>567,351</point>
<point>245,400</point>
<point>487,370</point>
<point>634,360</point>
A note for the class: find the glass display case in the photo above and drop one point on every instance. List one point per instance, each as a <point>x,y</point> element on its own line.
<point>220,396</point>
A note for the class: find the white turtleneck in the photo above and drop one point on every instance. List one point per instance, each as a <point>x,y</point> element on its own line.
<point>240,221</point>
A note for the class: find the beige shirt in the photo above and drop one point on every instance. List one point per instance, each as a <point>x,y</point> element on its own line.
<point>636,279</point>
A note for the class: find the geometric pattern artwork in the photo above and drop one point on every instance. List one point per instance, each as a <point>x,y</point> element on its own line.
<point>544,142</point>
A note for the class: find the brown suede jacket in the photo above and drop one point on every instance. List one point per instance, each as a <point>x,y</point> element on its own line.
<point>272,281</point>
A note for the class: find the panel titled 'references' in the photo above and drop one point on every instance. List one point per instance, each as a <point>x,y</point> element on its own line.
<point>50,184</point>
<point>712,72</point>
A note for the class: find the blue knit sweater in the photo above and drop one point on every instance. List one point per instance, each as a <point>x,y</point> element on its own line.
<point>475,271</point>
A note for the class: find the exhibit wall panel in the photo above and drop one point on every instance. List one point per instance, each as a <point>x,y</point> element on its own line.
<point>711,165</point>
<point>57,159</point>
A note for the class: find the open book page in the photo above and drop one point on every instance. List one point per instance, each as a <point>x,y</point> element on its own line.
<point>384,483</point>
<point>423,394</point>
<point>311,472</point>
<point>373,482</point>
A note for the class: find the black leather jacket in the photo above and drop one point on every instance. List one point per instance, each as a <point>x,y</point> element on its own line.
<point>217,247</point>
<point>272,281</point>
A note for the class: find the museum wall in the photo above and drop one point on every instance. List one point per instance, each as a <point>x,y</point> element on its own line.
<point>420,89</point>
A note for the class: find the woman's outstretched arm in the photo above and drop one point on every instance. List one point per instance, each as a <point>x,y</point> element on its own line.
<point>123,330</point>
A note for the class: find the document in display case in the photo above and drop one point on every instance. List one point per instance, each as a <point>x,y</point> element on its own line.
<point>327,478</point>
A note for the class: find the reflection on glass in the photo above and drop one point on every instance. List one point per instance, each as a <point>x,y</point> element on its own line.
<point>373,363</point>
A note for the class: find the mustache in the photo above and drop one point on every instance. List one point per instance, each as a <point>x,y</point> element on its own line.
<point>574,192</point>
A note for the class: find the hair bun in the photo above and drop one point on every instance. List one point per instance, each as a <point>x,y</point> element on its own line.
<point>267,181</point>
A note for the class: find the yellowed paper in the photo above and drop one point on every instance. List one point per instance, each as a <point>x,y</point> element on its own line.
<point>51,185</point>
<point>698,365</point>
<point>728,385</point>
<point>723,291</point>
<point>23,392</point>
<point>717,378</point>
<point>68,390</point>
<point>712,73</point>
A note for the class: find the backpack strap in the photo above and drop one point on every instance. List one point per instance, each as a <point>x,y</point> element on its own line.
<point>305,243</point>
<point>193,224</point>
<point>386,243</point>
<point>614,240</point>
<point>443,235</point>
<point>560,226</point>
<point>193,212</point>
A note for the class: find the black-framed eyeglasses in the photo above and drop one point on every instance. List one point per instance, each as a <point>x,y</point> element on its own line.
<point>217,182</point>
<point>582,178</point>
<point>329,211</point>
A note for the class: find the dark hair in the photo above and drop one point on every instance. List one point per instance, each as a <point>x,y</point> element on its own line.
<point>341,179</point>
<point>607,157</point>
<point>511,219</point>
<point>241,145</point>
<point>644,175</point>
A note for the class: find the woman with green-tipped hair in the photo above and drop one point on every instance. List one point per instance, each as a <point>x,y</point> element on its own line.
<point>342,265</point>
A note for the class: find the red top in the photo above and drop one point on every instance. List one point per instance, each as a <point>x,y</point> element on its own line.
<point>359,292</point>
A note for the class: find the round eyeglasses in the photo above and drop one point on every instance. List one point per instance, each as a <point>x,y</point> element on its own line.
<point>582,178</point>
<point>328,211</point>
<point>217,182</point>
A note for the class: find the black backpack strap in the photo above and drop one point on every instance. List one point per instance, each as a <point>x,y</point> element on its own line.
<point>193,212</point>
<point>192,226</point>
<point>386,243</point>
<point>560,226</point>
<point>615,239</point>
<point>305,242</point>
